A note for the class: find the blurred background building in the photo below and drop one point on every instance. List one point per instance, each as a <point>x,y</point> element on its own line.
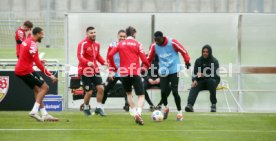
<point>50,13</point>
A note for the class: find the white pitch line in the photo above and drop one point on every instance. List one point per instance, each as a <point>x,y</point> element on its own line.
<point>244,131</point>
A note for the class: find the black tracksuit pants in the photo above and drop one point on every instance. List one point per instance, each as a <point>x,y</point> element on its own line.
<point>206,84</point>
<point>109,86</point>
<point>170,83</point>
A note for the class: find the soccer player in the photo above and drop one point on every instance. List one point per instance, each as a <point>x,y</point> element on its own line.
<point>21,34</point>
<point>205,77</point>
<point>112,82</point>
<point>130,51</point>
<point>88,55</point>
<point>24,70</point>
<point>167,51</point>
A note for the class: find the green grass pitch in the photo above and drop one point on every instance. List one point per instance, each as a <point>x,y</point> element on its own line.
<point>74,126</point>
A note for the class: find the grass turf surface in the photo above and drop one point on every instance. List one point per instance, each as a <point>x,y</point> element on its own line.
<point>120,126</point>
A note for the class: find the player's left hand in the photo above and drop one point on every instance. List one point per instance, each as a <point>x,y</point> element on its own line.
<point>111,76</point>
<point>54,79</point>
<point>105,64</point>
<point>43,61</point>
<point>188,65</point>
<point>199,75</point>
<point>143,69</point>
<point>151,81</point>
<point>157,81</point>
<point>194,83</point>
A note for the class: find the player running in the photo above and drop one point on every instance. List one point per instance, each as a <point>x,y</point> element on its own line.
<point>88,55</point>
<point>110,83</point>
<point>21,34</point>
<point>167,51</point>
<point>130,51</point>
<point>24,70</point>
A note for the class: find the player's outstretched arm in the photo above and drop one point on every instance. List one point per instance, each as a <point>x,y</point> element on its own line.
<point>179,48</point>
<point>151,53</point>
<point>40,65</point>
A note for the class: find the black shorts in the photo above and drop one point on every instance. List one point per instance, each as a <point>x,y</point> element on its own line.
<point>88,82</point>
<point>136,82</point>
<point>32,79</point>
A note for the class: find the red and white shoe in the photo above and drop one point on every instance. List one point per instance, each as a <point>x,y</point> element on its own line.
<point>49,118</point>
<point>166,112</point>
<point>36,116</point>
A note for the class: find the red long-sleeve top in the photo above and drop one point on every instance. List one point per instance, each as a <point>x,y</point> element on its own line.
<point>89,51</point>
<point>29,56</point>
<point>130,51</point>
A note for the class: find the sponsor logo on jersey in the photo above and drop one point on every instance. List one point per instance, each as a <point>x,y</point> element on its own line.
<point>87,87</point>
<point>89,48</point>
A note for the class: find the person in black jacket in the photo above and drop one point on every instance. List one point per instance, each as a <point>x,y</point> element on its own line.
<point>205,77</point>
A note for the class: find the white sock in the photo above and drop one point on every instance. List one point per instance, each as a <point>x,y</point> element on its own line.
<point>132,110</point>
<point>86,107</point>
<point>43,111</point>
<point>179,112</point>
<point>35,108</point>
<point>139,111</point>
<point>99,105</point>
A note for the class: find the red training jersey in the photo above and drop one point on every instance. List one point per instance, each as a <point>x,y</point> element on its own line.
<point>177,47</point>
<point>20,36</point>
<point>89,51</point>
<point>130,51</point>
<point>29,56</point>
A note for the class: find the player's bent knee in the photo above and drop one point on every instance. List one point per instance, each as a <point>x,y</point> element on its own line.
<point>36,89</point>
<point>100,88</point>
<point>89,92</point>
<point>212,81</point>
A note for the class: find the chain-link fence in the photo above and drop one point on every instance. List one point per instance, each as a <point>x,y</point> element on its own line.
<point>54,30</point>
<point>49,14</point>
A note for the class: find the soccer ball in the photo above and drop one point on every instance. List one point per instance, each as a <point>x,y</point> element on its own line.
<point>157,115</point>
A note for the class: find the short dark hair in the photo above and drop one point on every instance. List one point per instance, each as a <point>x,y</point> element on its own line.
<point>121,31</point>
<point>158,34</point>
<point>130,31</point>
<point>37,30</point>
<point>28,24</point>
<point>89,28</point>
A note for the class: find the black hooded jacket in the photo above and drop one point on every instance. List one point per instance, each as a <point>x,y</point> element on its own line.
<point>202,64</point>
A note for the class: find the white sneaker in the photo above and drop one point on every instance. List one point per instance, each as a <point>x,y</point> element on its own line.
<point>49,118</point>
<point>36,116</point>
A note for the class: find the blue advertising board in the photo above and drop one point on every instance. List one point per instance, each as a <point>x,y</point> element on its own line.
<point>53,102</point>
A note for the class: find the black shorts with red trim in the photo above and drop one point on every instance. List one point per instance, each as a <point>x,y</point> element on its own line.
<point>88,82</point>
<point>32,79</point>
